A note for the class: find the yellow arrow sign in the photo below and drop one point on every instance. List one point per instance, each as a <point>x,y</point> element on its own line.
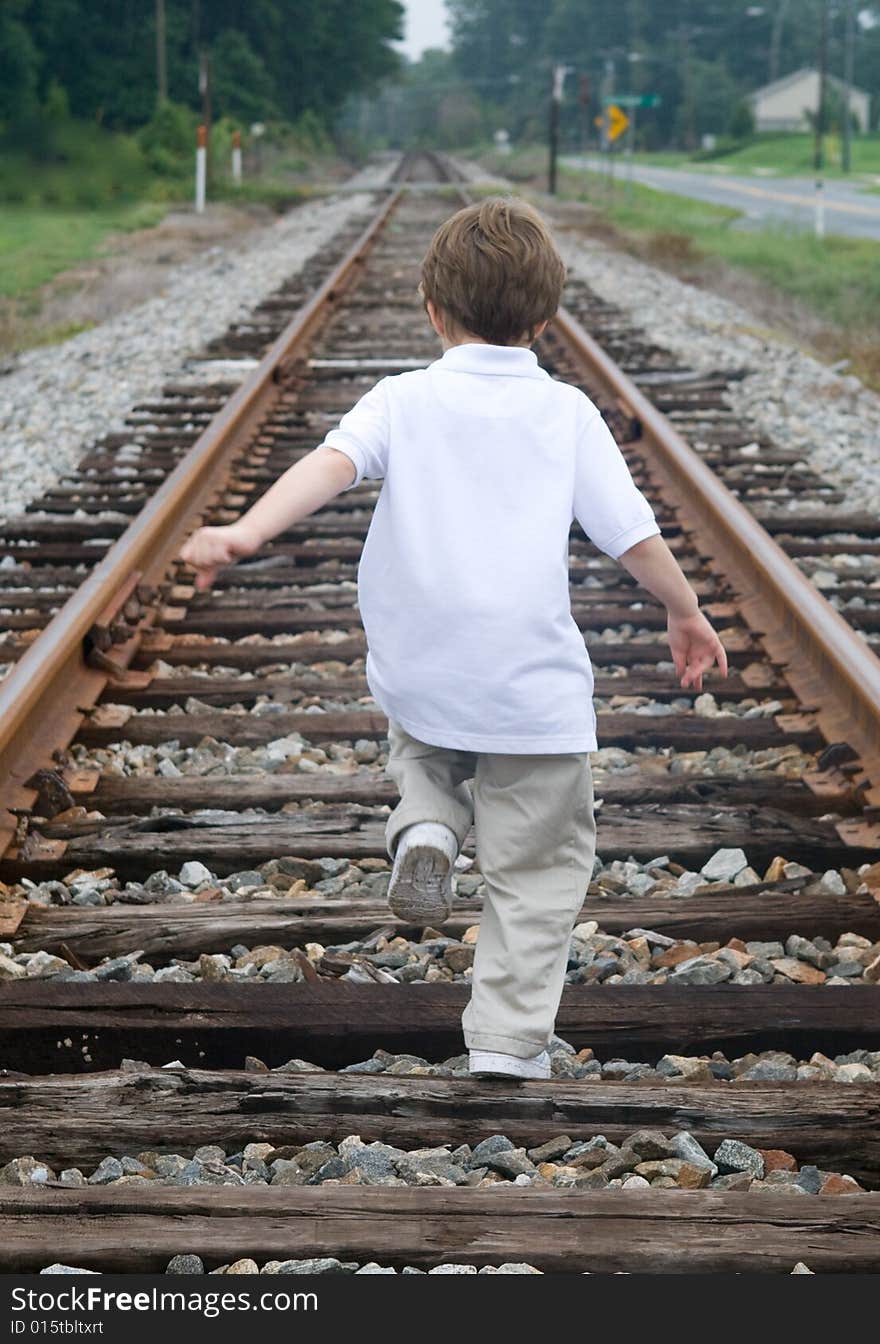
<point>618,122</point>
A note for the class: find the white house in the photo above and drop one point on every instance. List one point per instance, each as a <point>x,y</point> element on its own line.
<point>784,105</point>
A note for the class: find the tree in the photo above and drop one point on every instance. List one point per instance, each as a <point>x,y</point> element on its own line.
<point>19,64</point>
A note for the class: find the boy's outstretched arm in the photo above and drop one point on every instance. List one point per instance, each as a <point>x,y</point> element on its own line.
<point>694,644</point>
<point>313,481</point>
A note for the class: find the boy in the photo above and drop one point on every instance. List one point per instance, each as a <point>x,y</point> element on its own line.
<point>463,591</point>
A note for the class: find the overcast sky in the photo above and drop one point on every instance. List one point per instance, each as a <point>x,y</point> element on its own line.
<point>425,26</point>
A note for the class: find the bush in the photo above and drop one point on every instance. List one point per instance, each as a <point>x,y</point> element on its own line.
<point>168,140</point>
<point>742,123</point>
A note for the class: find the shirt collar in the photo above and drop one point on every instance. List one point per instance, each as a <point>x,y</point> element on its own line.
<point>512,361</point>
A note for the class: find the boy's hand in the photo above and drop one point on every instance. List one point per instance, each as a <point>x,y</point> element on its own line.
<point>695,647</point>
<point>210,548</point>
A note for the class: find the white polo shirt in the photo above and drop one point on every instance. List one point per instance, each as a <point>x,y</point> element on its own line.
<point>463,582</point>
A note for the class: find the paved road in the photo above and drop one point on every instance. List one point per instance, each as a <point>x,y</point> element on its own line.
<point>789,200</point>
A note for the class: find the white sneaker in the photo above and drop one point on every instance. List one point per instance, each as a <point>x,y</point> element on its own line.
<point>420,890</point>
<point>488,1064</point>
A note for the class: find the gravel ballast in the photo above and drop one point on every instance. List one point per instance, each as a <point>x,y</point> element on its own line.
<point>58,399</point>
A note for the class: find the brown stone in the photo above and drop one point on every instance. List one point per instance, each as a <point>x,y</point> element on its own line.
<point>776,871</point>
<point>640,949</point>
<point>593,1157</point>
<point>661,1166</point>
<point>799,971</point>
<point>871,878</point>
<point>872,971</point>
<point>777,1159</point>
<point>459,958</point>
<point>736,944</point>
<point>839,1185</point>
<point>691,1177</point>
<point>673,955</point>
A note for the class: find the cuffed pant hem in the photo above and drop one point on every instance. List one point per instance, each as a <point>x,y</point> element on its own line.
<point>403,817</point>
<point>505,1045</point>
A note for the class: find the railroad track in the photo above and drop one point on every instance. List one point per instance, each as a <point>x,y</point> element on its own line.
<point>193,859</point>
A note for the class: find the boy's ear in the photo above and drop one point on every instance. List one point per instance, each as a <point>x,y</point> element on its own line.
<point>436,318</point>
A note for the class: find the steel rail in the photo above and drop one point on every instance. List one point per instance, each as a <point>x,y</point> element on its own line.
<point>827,663</point>
<point>829,666</point>
<point>42,698</point>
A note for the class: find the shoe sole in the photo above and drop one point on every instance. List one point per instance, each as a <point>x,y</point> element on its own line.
<point>509,1077</point>
<point>525,1072</point>
<point>421,892</point>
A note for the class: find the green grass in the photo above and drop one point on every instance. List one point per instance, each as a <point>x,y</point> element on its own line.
<point>837,279</point>
<point>37,243</point>
<point>787,155</point>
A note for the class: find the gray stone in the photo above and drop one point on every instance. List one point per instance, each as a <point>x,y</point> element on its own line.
<point>118,968</point>
<point>622,1161</point>
<point>193,873</point>
<point>247,878</point>
<point>847,970</point>
<point>433,1165</point>
<point>731,1155</point>
<point>109,1169</point>
<point>312,1156</point>
<point>510,1267</point>
<point>373,1161</point>
<point>26,1171</point>
<point>724,865</point>
<point>810,1179</point>
<point>496,1143</point>
<point>285,1172</point>
<point>765,951</point>
<point>207,1173</point>
<point>453,1269</point>
<point>700,971</point>
<point>68,1269</point>
<point>318,1265</point>
<point>330,1171</point>
<point>550,1149</point>
<point>769,1071</point>
<point>684,1145</point>
<point>185,1264</point>
<point>734,1180</point>
<point>650,1144</point>
<point>511,1163</point>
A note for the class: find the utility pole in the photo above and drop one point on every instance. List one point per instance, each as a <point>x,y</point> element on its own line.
<point>205,91</point>
<point>848,71</point>
<point>776,38</point>
<point>819,151</point>
<point>559,73</point>
<point>688,128</point>
<point>161,58</point>
<point>819,146</point>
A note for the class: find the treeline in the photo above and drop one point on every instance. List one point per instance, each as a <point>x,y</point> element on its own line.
<point>702,57</point>
<point>269,59</point>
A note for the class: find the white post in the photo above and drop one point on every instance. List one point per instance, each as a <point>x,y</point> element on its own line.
<point>236,158</point>
<point>201,168</point>
<point>820,208</point>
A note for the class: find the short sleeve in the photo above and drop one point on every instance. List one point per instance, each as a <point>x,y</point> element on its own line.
<point>362,434</point>
<point>610,508</point>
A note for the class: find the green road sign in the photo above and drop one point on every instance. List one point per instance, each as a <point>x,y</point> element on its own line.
<point>634,100</point>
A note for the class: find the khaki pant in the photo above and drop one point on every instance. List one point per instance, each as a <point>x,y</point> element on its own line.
<point>536,840</point>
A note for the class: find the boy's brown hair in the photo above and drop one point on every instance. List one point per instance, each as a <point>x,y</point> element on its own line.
<point>494,272</point>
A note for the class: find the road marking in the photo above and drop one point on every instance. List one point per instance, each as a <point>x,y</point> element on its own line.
<point>853,208</point>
